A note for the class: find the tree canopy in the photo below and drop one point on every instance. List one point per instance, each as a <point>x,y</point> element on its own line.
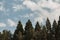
<point>46,32</point>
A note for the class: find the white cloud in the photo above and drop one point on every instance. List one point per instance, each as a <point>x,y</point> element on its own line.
<point>33,6</point>
<point>2,6</point>
<point>58,1</point>
<point>42,3</point>
<point>11,23</point>
<point>43,14</point>
<point>17,7</point>
<point>49,4</point>
<point>27,15</point>
<point>2,25</point>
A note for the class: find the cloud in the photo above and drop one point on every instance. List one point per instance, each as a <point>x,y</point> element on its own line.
<point>17,7</point>
<point>2,25</point>
<point>43,13</point>
<point>27,15</point>
<point>18,0</point>
<point>43,8</point>
<point>49,4</point>
<point>2,6</point>
<point>42,3</point>
<point>58,1</point>
<point>11,23</point>
<point>55,7</point>
<point>30,4</point>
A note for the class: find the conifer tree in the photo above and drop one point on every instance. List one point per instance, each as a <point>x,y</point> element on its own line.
<point>20,36</point>
<point>48,25</point>
<point>37,27</point>
<point>58,30</point>
<point>54,30</point>
<point>6,35</point>
<point>0,36</point>
<point>18,29</point>
<point>28,30</point>
<point>44,33</point>
<point>28,25</point>
<point>38,34</point>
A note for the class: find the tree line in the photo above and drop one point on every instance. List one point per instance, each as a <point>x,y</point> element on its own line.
<point>46,32</point>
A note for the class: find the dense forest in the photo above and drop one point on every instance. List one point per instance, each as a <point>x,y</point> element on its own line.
<point>46,32</point>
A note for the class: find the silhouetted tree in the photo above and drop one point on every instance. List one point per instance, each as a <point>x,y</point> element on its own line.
<point>18,29</point>
<point>37,27</point>
<point>38,31</point>
<point>20,36</point>
<point>28,30</point>
<point>54,27</point>
<point>58,30</point>
<point>0,36</point>
<point>48,25</point>
<point>44,33</point>
<point>6,35</point>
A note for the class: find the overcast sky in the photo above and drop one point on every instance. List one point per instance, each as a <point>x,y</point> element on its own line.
<point>11,11</point>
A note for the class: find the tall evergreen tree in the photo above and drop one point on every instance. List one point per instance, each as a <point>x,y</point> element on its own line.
<point>6,35</point>
<point>48,25</point>
<point>20,36</point>
<point>28,30</point>
<point>18,29</point>
<point>44,33</point>
<point>38,35</point>
<point>58,30</point>
<point>1,36</point>
<point>54,27</point>
<point>28,25</point>
<point>37,27</point>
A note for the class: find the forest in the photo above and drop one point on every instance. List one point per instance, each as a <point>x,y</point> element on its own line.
<point>46,32</point>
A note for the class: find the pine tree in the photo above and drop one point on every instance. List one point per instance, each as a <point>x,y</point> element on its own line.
<point>58,30</point>
<point>48,25</point>
<point>18,29</point>
<point>44,33</point>
<point>0,36</point>
<point>28,30</point>
<point>20,36</point>
<point>6,35</point>
<point>37,27</point>
<point>28,25</point>
<point>54,30</point>
<point>38,31</point>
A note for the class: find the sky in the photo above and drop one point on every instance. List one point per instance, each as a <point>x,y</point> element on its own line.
<point>12,11</point>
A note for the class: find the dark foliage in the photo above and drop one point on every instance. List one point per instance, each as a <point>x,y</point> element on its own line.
<point>47,32</point>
